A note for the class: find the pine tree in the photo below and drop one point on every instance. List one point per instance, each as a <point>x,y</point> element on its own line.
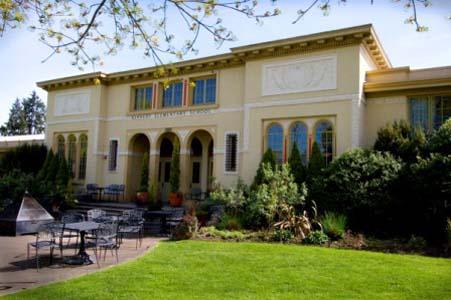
<point>53,169</point>
<point>174,179</point>
<point>34,114</point>
<point>42,174</point>
<point>268,158</point>
<point>63,175</point>
<point>16,121</point>
<point>316,162</point>
<point>144,185</point>
<point>296,166</point>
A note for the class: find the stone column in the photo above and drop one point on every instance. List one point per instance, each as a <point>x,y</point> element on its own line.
<point>204,166</point>
<point>184,168</point>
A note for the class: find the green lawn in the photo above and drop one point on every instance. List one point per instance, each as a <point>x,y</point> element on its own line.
<point>216,270</point>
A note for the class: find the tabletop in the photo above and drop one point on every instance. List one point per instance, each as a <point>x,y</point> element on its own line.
<point>159,213</point>
<point>82,226</point>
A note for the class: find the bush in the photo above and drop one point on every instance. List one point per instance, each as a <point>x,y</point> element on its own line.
<point>14,184</point>
<point>334,225</point>
<point>268,158</point>
<point>25,158</point>
<point>234,199</point>
<point>416,242</point>
<point>316,163</point>
<point>358,184</point>
<point>144,180</point>
<point>186,229</point>
<point>440,141</point>
<point>282,235</point>
<point>315,238</point>
<point>212,232</point>
<point>401,140</point>
<point>230,223</point>
<point>297,168</point>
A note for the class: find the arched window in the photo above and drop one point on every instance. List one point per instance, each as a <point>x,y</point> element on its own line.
<point>275,141</point>
<point>324,136</point>
<point>298,136</point>
<point>60,147</point>
<point>83,156</point>
<point>72,153</point>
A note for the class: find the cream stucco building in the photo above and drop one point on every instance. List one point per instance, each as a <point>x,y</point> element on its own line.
<point>337,88</point>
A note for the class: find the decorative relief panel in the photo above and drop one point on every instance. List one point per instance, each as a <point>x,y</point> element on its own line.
<point>312,74</point>
<point>72,103</point>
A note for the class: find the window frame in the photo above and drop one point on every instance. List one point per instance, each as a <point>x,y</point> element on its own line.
<point>237,153</point>
<point>268,127</point>
<point>431,113</point>
<point>163,90</point>
<point>204,100</point>
<point>116,157</point>
<point>83,156</point>
<point>134,95</point>
<point>315,128</point>
<point>290,141</point>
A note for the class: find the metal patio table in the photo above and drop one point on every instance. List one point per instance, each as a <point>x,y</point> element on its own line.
<point>82,258</point>
<point>162,215</point>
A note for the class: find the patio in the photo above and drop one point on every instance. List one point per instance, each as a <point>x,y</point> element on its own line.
<point>18,273</point>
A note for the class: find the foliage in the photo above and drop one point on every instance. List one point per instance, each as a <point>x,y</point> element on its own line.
<point>234,199</point>
<point>63,175</point>
<point>316,237</point>
<point>174,179</point>
<point>440,140</point>
<point>29,158</point>
<point>26,116</point>
<point>416,242</point>
<point>316,163</point>
<point>448,231</point>
<point>358,185</point>
<point>271,200</point>
<point>14,184</point>
<point>401,140</point>
<point>334,225</point>
<point>268,158</point>
<point>297,168</point>
<point>282,235</point>
<point>229,222</point>
<point>42,174</point>
<point>186,229</point>
<point>53,168</point>
<point>144,180</point>
<point>153,197</point>
<point>212,232</point>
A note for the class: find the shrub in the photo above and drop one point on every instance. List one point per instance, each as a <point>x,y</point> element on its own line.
<point>282,235</point>
<point>174,179</point>
<point>186,229</point>
<point>297,168</point>
<point>334,225</point>
<point>229,222</point>
<point>268,158</point>
<point>212,232</point>
<point>25,158</point>
<point>316,163</point>
<point>316,237</point>
<point>358,185</point>
<point>144,181</point>
<point>440,141</point>
<point>401,140</point>
<point>234,199</point>
<point>416,242</point>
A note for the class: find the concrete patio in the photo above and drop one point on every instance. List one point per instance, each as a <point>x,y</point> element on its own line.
<point>18,273</point>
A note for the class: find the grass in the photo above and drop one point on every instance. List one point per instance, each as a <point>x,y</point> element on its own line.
<point>226,270</point>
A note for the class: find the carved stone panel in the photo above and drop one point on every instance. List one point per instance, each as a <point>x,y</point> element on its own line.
<point>303,75</point>
<point>76,103</point>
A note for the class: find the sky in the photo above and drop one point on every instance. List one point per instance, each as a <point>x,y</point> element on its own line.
<point>21,53</point>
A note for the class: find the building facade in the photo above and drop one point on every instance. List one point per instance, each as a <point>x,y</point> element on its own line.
<point>336,88</point>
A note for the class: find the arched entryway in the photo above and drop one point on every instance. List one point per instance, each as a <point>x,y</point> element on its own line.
<point>165,145</point>
<point>138,146</point>
<point>200,163</point>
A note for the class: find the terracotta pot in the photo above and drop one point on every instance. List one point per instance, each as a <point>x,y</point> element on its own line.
<point>142,197</point>
<point>175,199</point>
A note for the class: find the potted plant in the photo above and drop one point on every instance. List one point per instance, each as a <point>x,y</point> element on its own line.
<point>154,203</point>
<point>175,196</point>
<point>142,194</point>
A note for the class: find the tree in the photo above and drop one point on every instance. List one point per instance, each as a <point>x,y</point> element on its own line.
<point>63,175</point>
<point>73,26</point>
<point>440,141</point>
<point>174,179</point>
<point>42,174</point>
<point>268,158</point>
<point>34,113</point>
<point>26,116</point>
<point>144,184</point>
<point>316,162</point>
<point>296,166</point>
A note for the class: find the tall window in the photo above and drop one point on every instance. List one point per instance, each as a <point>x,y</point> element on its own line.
<point>72,153</point>
<point>83,140</point>
<point>61,147</point>
<point>275,141</point>
<point>112,162</point>
<point>298,136</point>
<point>172,95</point>
<point>430,112</point>
<point>231,152</point>
<point>324,136</point>
<point>204,91</point>
<point>143,98</point>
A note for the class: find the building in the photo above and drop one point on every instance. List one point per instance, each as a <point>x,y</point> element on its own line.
<point>336,88</point>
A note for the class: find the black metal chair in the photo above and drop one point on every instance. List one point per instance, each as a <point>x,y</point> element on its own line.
<point>49,236</point>
<point>115,191</point>
<point>94,214</point>
<point>132,224</point>
<point>92,189</point>
<point>175,218</point>
<point>106,238</point>
<point>69,234</point>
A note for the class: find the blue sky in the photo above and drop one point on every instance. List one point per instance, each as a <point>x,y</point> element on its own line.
<point>21,53</point>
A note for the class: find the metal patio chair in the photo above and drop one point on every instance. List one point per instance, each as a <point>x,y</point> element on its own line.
<point>49,236</point>
<point>106,238</point>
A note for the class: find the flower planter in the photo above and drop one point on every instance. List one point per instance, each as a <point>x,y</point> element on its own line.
<point>175,199</point>
<point>142,197</point>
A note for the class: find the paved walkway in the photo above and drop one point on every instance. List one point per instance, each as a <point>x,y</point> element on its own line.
<point>17,273</point>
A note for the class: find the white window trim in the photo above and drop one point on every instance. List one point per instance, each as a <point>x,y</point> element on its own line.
<point>117,155</point>
<point>226,133</point>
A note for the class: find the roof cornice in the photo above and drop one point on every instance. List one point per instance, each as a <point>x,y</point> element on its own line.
<point>364,34</point>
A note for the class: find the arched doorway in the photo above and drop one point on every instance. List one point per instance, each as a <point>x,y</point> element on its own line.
<point>138,146</point>
<point>165,144</point>
<point>200,166</point>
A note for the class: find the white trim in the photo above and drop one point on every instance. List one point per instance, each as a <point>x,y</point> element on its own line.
<point>226,133</point>
<point>117,155</point>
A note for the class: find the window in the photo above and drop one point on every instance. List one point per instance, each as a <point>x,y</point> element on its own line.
<point>143,98</point>
<point>298,136</point>
<point>275,141</point>
<point>231,152</point>
<point>430,112</point>
<point>112,162</point>
<point>324,137</point>
<point>83,156</point>
<point>72,154</point>
<point>172,95</point>
<point>204,91</point>
<point>60,148</point>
